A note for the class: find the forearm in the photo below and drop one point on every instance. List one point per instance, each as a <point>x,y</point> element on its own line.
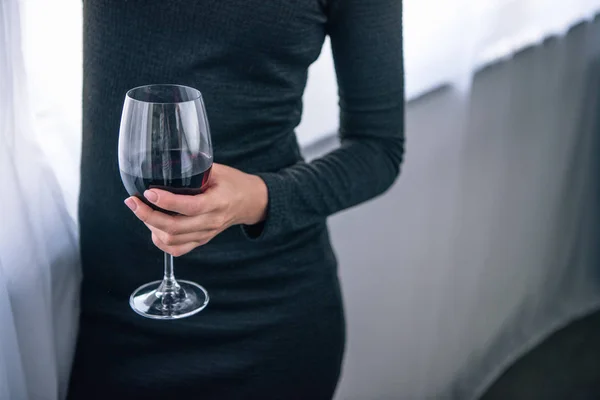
<point>305,194</point>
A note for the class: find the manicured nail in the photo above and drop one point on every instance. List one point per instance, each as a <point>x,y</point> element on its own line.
<point>131,204</point>
<point>151,196</point>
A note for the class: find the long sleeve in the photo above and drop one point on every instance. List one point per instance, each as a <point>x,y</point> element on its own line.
<point>366,39</point>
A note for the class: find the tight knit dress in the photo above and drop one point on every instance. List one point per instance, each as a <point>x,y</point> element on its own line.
<point>274,327</point>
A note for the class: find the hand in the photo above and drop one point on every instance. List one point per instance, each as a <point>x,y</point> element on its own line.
<point>232,197</point>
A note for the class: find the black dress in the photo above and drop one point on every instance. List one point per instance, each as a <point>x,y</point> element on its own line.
<point>274,328</point>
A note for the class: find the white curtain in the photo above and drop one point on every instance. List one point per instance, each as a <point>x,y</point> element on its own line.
<point>444,43</point>
<point>39,267</point>
<point>488,243</point>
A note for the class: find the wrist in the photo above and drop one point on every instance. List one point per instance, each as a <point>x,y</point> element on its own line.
<point>256,201</point>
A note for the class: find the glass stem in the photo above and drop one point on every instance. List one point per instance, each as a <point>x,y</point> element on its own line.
<point>169,278</point>
<point>169,289</point>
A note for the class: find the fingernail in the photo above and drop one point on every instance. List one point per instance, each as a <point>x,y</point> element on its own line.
<point>151,196</point>
<point>131,204</point>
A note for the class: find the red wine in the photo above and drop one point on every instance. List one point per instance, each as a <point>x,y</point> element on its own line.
<point>168,172</point>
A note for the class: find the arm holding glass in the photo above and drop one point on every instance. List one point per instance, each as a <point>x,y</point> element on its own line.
<point>231,197</point>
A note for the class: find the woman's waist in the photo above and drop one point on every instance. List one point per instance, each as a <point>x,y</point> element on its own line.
<point>231,268</point>
<point>131,252</point>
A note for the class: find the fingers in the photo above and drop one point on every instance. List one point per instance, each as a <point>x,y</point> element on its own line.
<point>181,204</point>
<point>174,225</point>
<point>181,244</point>
<point>177,225</point>
<point>176,250</point>
<point>200,238</point>
<point>200,218</point>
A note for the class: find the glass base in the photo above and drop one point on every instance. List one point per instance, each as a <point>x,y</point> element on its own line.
<point>148,302</point>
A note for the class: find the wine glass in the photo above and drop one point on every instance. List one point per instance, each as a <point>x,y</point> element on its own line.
<point>164,143</point>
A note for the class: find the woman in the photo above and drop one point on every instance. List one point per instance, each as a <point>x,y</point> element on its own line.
<point>274,328</point>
